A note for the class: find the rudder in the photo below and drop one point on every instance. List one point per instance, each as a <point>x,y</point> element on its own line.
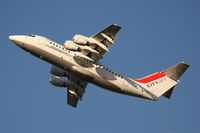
<point>176,71</point>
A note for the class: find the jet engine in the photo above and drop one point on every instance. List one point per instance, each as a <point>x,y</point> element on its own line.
<point>79,39</point>
<point>71,45</point>
<point>58,81</point>
<point>58,71</point>
<point>83,49</point>
<point>94,44</point>
<point>86,41</point>
<point>83,40</point>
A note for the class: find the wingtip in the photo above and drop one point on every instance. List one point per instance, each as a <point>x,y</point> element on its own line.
<point>114,24</point>
<point>185,63</point>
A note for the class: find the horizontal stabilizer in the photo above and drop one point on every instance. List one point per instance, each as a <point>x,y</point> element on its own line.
<point>168,93</point>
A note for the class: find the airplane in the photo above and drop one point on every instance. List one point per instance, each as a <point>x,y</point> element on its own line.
<point>77,63</point>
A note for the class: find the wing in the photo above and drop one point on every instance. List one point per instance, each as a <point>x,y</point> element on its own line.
<point>75,90</point>
<point>106,37</point>
<point>97,45</point>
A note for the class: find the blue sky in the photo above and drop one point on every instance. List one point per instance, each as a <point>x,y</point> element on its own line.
<point>155,34</point>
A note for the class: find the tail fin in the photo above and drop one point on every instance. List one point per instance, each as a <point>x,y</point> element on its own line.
<point>176,71</point>
<point>162,83</point>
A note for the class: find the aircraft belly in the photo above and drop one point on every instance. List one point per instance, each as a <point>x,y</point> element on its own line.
<point>118,88</point>
<point>105,84</point>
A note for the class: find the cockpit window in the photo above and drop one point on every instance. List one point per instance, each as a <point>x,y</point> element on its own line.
<point>31,35</point>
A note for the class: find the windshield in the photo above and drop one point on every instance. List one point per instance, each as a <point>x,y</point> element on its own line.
<point>31,35</point>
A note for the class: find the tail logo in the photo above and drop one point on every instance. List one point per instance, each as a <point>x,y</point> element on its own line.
<point>155,83</point>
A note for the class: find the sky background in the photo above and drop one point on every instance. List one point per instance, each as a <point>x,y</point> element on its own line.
<point>155,34</point>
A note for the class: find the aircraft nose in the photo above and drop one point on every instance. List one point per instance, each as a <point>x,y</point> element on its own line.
<point>17,39</point>
<point>12,38</point>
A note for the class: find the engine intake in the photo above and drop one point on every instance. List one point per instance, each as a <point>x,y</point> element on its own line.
<point>79,39</point>
<point>58,71</point>
<point>70,45</point>
<point>58,81</point>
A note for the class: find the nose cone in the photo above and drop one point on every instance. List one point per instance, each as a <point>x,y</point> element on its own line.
<point>13,38</point>
<point>10,37</point>
<point>17,39</point>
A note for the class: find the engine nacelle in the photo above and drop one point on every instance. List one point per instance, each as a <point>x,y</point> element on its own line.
<point>58,71</point>
<point>58,81</point>
<point>87,41</point>
<point>79,39</point>
<point>70,45</point>
<point>83,40</point>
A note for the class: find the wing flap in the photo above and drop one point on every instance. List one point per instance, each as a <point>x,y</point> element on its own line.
<point>75,90</point>
<point>108,35</point>
<point>72,98</point>
<point>105,39</point>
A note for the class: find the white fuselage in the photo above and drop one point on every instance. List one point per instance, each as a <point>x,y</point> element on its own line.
<point>74,63</point>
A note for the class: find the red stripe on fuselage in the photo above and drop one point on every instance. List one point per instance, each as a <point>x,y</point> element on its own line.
<point>151,77</point>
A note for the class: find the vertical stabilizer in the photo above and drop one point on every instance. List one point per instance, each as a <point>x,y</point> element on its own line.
<point>162,83</point>
<point>176,71</point>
